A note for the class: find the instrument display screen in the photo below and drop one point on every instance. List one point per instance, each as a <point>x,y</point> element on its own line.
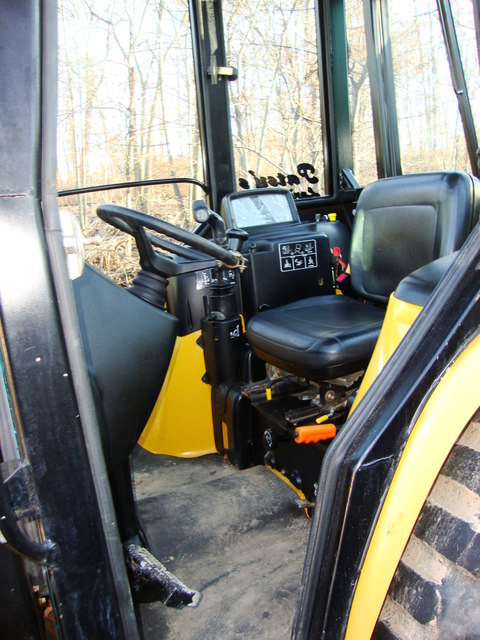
<point>259,207</point>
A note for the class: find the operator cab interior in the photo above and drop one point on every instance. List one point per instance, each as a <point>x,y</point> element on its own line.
<point>287,313</point>
<point>197,416</point>
<point>307,347</point>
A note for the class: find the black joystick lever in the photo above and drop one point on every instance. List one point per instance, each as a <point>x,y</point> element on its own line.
<point>236,238</point>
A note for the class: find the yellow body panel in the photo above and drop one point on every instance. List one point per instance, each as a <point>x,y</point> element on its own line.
<point>446,413</point>
<point>181,421</point>
<point>398,319</point>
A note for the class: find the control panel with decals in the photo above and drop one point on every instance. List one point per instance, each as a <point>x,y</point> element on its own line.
<point>289,263</point>
<point>286,260</point>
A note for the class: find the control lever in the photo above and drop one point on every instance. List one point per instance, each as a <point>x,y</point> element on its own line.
<point>236,238</point>
<point>203,214</point>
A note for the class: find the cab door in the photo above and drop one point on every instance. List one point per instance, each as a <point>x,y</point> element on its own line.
<point>56,509</point>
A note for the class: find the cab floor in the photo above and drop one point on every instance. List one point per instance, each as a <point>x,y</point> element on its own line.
<point>239,537</point>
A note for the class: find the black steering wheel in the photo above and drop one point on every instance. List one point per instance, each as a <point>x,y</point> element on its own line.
<point>134,223</point>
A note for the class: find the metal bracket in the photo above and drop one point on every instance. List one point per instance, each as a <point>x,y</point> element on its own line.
<point>348,180</point>
<point>216,73</point>
<point>241,264</point>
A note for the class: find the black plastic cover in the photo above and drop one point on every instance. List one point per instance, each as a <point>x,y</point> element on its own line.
<point>128,344</point>
<point>289,264</point>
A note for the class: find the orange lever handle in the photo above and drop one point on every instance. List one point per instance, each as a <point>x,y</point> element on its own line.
<point>315,433</point>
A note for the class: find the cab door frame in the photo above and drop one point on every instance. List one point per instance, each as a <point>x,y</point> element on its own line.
<point>56,428</point>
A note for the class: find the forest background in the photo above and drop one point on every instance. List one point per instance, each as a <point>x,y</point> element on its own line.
<point>127,107</point>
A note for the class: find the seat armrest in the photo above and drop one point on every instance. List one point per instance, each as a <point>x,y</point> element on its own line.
<point>417,287</point>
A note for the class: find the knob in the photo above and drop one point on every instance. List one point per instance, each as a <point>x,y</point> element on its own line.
<point>236,238</point>
<point>269,439</point>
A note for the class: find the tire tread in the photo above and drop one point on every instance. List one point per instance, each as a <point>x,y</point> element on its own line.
<point>435,591</point>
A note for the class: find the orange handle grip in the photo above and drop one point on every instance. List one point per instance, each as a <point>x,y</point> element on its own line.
<point>315,433</point>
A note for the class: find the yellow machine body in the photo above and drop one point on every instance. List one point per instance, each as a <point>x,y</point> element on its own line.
<point>437,428</point>
<point>181,421</point>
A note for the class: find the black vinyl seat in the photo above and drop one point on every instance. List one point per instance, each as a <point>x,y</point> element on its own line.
<point>401,224</point>
<point>317,338</point>
<point>418,286</point>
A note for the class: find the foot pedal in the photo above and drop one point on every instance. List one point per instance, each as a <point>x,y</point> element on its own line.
<point>150,581</point>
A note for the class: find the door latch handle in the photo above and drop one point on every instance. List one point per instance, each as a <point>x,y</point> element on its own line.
<point>215,72</point>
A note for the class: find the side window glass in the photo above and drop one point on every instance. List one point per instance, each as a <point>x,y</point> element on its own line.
<point>126,112</point>
<point>464,19</point>
<point>276,101</point>
<point>363,142</point>
<point>430,129</point>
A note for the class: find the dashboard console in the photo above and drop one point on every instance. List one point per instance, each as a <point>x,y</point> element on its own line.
<point>287,260</point>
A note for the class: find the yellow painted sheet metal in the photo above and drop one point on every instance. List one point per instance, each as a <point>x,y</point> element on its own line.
<point>181,421</point>
<point>438,427</point>
<point>398,319</point>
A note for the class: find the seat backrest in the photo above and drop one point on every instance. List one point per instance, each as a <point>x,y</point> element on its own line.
<point>404,222</point>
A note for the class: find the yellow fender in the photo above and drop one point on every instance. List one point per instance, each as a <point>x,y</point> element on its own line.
<point>437,427</point>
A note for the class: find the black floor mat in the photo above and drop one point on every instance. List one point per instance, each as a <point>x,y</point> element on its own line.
<point>239,537</point>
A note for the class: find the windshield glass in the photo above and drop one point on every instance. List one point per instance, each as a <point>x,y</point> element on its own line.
<point>126,112</point>
<point>276,101</point>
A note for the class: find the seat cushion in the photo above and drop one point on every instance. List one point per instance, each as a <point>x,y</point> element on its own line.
<point>318,338</point>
